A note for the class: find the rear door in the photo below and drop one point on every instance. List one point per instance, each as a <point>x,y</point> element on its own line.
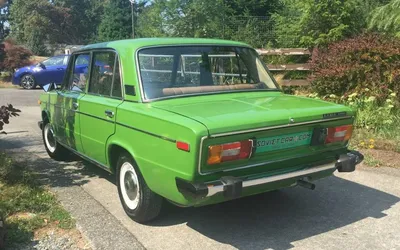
<point>66,123</point>
<point>98,108</point>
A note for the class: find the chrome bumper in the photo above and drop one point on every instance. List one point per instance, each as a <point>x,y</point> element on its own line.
<point>232,187</point>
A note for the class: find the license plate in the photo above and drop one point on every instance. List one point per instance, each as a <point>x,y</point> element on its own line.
<point>283,141</point>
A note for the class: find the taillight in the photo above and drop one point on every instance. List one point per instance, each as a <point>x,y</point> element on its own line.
<point>229,152</point>
<point>337,134</point>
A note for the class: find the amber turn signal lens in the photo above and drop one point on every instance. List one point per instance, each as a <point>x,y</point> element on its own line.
<point>214,154</point>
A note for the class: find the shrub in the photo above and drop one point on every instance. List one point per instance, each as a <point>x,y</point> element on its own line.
<point>13,56</point>
<point>368,61</point>
<point>5,113</point>
<point>376,113</point>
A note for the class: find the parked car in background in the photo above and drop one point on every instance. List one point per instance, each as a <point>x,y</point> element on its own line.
<point>192,122</point>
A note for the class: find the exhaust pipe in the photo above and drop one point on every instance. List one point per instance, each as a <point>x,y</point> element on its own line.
<point>306,184</point>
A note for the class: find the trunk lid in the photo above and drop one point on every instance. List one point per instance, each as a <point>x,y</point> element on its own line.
<point>226,113</point>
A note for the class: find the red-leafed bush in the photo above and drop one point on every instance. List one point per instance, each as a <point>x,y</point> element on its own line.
<point>369,61</point>
<point>13,56</point>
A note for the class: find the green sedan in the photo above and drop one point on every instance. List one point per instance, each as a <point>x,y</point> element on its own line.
<point>192,122</point>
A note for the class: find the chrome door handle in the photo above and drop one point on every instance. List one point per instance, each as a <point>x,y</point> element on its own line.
<point>75,105</point>
<point>109,113</point>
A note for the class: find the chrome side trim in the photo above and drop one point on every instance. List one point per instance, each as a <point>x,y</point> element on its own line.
<point>95,117</point>
<point>215,189</point>
<point>257,130</point>
<point>280,126</point>
<point>104,167</point>
<point>148,133</point>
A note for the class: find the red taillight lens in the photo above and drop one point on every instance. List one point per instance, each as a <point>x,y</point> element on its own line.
<point>229,152</point>
<point>338,134</point>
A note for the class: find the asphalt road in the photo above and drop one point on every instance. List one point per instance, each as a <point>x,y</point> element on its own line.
<point>359,210</point>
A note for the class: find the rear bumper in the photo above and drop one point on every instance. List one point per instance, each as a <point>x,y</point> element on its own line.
<point>232,187</point>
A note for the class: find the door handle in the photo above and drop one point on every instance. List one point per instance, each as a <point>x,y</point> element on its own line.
<point>109,113</point>
<point>75,105</point>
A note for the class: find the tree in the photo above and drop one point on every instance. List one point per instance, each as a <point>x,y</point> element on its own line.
<point>116,22</point>
<point>34,23</point>
<point>320,22</point>
<point>4,15</point>
<point>84,19</point>
<point>387,18</point>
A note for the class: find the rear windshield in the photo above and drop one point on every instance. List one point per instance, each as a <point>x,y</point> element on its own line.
<point>193,70</point>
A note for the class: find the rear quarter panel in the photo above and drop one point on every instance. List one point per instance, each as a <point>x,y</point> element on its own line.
<point>150,136</point>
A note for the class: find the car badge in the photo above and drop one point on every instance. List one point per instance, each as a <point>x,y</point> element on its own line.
<point>291,120</point>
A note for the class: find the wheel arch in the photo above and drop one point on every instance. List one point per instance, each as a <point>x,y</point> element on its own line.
<point>45,115</point>
<point>114,149</point>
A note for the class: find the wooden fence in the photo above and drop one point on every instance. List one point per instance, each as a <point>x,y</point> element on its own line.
<point>288,67</point>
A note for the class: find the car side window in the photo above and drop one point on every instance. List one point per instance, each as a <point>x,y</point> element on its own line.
<point>105,78</point>
<point>54,61</point>
<point>116,89</point>
<point>79,76</point>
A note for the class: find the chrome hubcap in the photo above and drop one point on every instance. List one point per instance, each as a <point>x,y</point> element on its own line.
<point>129,184</point>
<point>49,138</point>
<point>28,82</point>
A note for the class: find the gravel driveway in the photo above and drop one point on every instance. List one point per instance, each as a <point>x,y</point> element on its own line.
<point>359,210</point>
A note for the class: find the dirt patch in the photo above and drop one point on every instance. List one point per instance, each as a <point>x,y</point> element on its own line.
<point>7,85</point>
<point>72,234</point>
<point>381,158</point>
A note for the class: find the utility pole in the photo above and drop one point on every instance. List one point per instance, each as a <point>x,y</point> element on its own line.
<point>133,17</point>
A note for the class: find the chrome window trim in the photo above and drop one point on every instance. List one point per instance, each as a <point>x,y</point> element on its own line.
<point>139,77</point>
<point>255,130</point>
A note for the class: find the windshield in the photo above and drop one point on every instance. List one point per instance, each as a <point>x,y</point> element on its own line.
<point>192,70</point>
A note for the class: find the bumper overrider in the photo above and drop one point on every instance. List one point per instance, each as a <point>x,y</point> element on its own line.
<point>231,187</point>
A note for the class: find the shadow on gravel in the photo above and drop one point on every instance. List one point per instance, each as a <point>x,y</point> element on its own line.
<point>276,219</point>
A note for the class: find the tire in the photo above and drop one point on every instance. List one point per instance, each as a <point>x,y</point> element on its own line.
<point>55,150</point>
<point>28,81</point>
<point>139,202</point>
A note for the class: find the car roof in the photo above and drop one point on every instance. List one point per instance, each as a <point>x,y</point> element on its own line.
<point>144,42</point>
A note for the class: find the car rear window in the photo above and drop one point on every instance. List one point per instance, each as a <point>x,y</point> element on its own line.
<point>192,70</point>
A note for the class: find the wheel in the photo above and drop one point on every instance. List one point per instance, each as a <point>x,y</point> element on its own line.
<point>28,81</point>
<point>53,148</point>
<point>138,201</point>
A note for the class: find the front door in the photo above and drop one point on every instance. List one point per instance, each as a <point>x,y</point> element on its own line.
<point>66,118</point>
<point>98,108</point>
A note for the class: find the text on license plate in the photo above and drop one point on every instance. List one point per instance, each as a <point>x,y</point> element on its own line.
<point>283,141</point>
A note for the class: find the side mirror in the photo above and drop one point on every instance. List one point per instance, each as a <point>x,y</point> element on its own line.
<point>49,87</point>
<point>41,65</point>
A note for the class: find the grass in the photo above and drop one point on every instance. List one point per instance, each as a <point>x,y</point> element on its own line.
<point>26,205</point>
<point>371,161</point>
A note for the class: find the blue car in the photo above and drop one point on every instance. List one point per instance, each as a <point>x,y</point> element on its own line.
<point>49,71</point>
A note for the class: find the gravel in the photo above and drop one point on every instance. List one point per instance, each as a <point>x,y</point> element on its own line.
<point>50,242</point>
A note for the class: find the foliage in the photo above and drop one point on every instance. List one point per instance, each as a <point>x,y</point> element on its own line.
<point>4,14</point>
<point>83,20</point>
<point>35,22</point>
<point>116,22</point>
<point>312,23</point>
<point>235,20</point>
<point>375,112</point>
<point>368,61</point>
<point>13,56</point>
<point>5,113</point>
<point>387,18</point>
